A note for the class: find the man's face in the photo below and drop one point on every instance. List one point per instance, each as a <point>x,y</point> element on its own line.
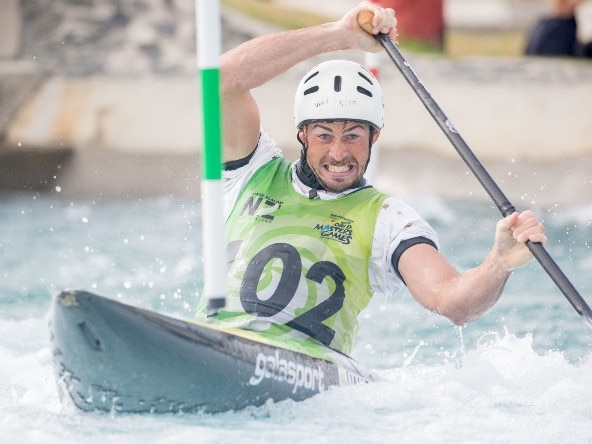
<point>337,152</point>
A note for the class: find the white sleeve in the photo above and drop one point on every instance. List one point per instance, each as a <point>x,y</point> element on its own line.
<point>395,223</point>
<point>235,180</point>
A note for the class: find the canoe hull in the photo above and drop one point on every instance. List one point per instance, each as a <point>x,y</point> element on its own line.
<point>115,357</point>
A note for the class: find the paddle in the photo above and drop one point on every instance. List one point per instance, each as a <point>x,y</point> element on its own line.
<point>467,155</point>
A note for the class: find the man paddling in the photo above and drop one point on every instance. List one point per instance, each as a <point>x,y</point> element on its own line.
<point>309,242</point>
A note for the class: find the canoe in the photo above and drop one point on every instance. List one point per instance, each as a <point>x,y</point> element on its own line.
<point>115,357</point>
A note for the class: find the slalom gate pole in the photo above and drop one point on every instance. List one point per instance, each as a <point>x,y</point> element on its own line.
<point>372,62</point>
<point>208,34</point>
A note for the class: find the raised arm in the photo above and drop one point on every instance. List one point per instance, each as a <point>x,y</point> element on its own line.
<point>259,60</point>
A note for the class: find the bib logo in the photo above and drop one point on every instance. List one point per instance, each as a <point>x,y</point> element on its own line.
<point>261,207</point>
<point>338,228</point>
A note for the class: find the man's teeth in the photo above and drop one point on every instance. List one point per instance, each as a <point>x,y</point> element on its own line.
<point>338,169</point>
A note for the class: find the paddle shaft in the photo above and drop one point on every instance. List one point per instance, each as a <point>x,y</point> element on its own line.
<point>467,155</point>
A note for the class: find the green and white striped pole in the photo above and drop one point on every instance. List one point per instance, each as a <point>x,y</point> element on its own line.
<point>208,33</point>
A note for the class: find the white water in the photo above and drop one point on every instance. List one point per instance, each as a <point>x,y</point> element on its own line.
<point>522,373</point>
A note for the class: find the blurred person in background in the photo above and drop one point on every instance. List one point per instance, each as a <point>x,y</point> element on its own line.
<point>557,34</point>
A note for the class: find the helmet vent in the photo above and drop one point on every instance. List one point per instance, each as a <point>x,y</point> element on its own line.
<point>337,83</point>
<point>311,90</point>
<point>364,91</point>
<point>316,73</point>
<point>365,78</point>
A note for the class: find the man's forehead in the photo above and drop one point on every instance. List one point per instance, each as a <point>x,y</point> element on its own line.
<point>343,125</point>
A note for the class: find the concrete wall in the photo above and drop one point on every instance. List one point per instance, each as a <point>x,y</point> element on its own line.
<point>134,135</point>
<point>10,29</point>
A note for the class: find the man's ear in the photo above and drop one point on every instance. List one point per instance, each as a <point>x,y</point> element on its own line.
<point>302,134</point>
<point>375,136</point>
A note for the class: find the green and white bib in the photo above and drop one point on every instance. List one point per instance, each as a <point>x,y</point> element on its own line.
<point>299,266</point>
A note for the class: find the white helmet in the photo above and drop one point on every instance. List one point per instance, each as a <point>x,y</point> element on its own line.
<point>339,90</point>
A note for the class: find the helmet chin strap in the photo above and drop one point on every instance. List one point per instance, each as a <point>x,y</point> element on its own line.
<point>303,170</point>
<point>309,178</point>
